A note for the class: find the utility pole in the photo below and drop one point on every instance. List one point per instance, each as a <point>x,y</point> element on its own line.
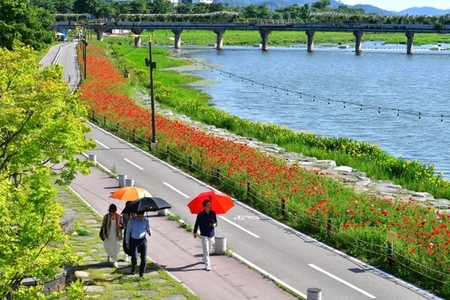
<point>152,65</point>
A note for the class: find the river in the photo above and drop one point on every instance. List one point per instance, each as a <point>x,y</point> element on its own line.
<point>382,96</point>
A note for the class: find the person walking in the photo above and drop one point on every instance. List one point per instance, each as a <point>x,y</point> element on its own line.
<point>206,221</point>
<point>112,232</point>
<point>136,241</point>
<point>125,219</point>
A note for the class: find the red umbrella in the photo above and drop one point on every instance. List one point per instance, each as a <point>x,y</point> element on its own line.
<point>220,202</point>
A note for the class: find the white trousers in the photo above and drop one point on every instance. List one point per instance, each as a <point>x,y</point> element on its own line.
<point>207,243</point>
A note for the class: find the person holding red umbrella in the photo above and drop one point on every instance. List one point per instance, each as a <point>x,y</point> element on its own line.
<point>206,221</point>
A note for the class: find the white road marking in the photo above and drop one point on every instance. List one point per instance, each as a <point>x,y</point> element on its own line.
<point>101,144</point>
<point>239,217</point>
<point>265,273</point>
<point>240,227</point>
<point>342,281</point>
<point>133,163</point>
<point>176,190</point>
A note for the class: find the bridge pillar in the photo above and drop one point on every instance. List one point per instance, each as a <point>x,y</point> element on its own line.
<point>219,40</point>
<point>310,34</point>
<point>410,42</point>
<point>358,35</point>
<point>177,41</point>
<point>137,38</point>
<point>100,33</point>
<point>264,39</point>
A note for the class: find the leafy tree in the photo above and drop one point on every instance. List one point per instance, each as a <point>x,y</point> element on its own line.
<point>321,4</point>
<point>45,4</point>
<point>121,7</point>
<point>24,22</point>
<point>41,131</point>
<point>200,8</point>
<point>256,11</point>
<point>278,16</point>
<point>291,12</point>
<point>64,7</point>
<point>161,7</point>
<point>31,241</point>
<point>98,8</point>
<point>140,7</point>
<point>42,122</point>
<point>184,9</point>
<point>349,10</point>
<point>214,7</point>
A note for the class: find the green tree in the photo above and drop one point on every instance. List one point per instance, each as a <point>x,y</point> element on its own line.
<point>256,11</point>
<point>98,8</point>
<point>161,7</point>
<point>121,7</point>
<point>215,7</point>
<point>41,132</point>
<point>24,22</point>
<point>64,7</point>
<point>45,4</point>
<point>200,8</point>
<point>140,7</point>
<point>305,12</point>
<point>321,4</point>
<point>54,6</point>
<point>31,241</point>
<point>42,122</point>
<point>184,9</point>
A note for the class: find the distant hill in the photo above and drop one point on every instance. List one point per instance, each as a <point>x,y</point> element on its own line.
<point>424,11</point>
<point>373,9</point>
<point>274,4</point>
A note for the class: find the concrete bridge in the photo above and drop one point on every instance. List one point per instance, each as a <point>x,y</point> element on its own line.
<point>264,28</point>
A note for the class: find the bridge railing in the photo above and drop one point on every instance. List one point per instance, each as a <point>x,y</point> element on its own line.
<point>254,25</point>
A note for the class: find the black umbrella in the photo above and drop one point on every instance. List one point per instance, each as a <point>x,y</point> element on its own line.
<point>146,204</point>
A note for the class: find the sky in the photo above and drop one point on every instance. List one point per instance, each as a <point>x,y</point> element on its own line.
<point>398,5</point>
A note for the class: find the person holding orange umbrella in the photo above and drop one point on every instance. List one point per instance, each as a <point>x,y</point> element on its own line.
<point>206,221</point>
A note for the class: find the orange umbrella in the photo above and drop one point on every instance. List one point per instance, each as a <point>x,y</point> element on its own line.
<point>220,202</point>
<point>130,193</point>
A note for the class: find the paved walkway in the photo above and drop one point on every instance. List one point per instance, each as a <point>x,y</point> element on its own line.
<point>174,248</point>
<point>170,246</point>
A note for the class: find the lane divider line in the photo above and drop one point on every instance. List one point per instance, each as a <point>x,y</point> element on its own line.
<point>342,281</point>
<point>103,145</point>
<point>266,274</point>
<point>126,159</point>
<point>176,190</point>
<point>240,227</point>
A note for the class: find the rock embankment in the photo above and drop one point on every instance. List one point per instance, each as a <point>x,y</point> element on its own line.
<point>344,174</point>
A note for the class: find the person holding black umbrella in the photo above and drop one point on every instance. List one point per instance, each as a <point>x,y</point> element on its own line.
<point>206,221</point>
<point>136,240</point>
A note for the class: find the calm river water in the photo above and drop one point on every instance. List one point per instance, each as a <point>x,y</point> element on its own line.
<point>334,92</point>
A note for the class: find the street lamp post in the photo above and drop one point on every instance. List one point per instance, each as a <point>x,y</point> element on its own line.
<point>152,65</point>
